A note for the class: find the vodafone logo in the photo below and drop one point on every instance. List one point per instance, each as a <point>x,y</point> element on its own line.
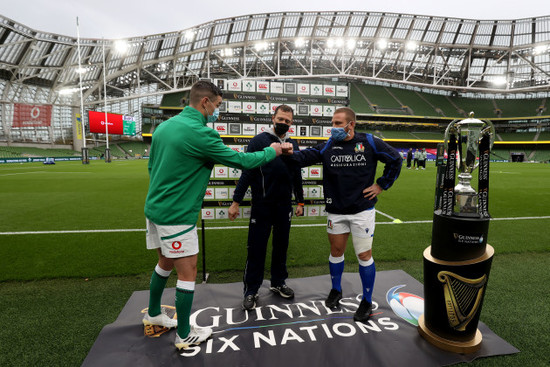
<point>235,84</point>
<point>316,109</point>
<point>176,245</point>
<point>35,112</point>
<point>303,87</point>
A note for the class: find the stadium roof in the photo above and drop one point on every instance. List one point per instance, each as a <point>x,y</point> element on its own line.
<point>427,51</point>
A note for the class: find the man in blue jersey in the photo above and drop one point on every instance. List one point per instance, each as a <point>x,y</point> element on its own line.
<point>272,186</point>
<point>349,163</point>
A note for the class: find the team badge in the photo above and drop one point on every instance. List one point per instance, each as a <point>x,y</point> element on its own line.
<point>359,148</point>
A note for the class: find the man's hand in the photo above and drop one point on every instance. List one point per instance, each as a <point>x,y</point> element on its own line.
<point>299,211</point>
<point>234,210</point>
<point>277,147</point>
<point>287,148</point>
<point>372,191</point>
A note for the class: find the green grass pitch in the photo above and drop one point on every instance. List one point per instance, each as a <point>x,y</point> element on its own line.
<point>57,290</point>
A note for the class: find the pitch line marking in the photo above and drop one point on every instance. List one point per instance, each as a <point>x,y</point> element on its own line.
<point>234,227</point>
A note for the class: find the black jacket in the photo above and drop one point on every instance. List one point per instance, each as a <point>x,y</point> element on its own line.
<point>274,182</point>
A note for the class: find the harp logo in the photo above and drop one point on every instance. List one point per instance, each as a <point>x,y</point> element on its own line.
<point>462,297</point>
<point>408,306</point>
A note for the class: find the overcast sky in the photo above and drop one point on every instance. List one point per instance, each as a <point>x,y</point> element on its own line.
<point>123,18</point>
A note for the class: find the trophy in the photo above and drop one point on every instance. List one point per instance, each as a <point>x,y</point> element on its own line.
<point>457,264</point>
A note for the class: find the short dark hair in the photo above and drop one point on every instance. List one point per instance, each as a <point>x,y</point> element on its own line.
<point>350,114</point>
<point>284,108</point>
<point>201,89</point>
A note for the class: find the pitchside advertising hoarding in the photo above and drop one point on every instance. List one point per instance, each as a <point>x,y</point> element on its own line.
<point>118,124</point>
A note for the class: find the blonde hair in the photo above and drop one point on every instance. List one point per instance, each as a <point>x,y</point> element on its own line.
<point>350,114</point>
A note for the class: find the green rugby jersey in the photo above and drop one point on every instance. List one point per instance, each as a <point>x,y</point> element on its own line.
<point>183,153</point>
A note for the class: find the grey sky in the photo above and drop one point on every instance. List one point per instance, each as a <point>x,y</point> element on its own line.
<point>123,18</point>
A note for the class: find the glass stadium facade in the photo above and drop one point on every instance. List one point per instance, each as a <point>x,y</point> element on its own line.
<point>451,56</point>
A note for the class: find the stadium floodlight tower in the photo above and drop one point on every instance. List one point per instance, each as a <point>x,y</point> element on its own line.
<point>458,262</point>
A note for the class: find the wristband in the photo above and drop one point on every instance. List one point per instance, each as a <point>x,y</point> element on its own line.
<point>301,204</point>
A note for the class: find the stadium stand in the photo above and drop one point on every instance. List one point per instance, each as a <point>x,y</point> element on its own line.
<point>413,100</point>
<point>518,107</point>
<point>517,136</point>
<point>381,100</point>
<point>483,108</point>
<point>132,148</point>
<point>8,152</point>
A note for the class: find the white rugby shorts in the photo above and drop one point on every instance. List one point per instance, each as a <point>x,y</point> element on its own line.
<point>360,225</point>
<point>174,241</point>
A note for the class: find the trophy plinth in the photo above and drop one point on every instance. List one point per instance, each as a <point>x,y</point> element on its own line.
<point>458,262</point>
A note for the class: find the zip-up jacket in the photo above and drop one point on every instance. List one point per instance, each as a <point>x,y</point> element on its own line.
<point>272,183</point>
<point>183,153</point>
<point>349,167</point>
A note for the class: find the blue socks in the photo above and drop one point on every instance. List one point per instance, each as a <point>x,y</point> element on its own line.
<point>336,266</point>
<point>367,272</point>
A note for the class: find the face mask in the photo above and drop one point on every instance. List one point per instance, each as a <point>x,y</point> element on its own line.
<point>281,128</point>
<point>339,133</point>
<point>214,116</point>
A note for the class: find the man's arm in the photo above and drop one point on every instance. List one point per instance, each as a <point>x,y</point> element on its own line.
<point>244,183</point>
<point>308,157</point>
<point>298,185</point>
<point>392,166</point>
<point>213,149</point>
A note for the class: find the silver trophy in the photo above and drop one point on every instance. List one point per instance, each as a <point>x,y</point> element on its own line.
<point>468,134</point>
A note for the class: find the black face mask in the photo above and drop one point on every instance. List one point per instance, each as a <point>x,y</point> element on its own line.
<point>281,128</point>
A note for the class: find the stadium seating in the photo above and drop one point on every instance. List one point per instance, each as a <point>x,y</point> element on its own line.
<point>518,107</point>
<point>133,147</point>
<point>415,101</point>
<point>9,152</point>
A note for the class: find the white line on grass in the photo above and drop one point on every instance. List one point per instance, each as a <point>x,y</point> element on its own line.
<point>21,173</point>
<point>385,215</point>
<point>231,227</point>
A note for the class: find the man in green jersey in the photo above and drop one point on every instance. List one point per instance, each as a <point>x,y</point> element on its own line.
<point>183,153</point>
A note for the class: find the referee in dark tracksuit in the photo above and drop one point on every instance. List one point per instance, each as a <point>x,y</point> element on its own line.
<point>272,186</point>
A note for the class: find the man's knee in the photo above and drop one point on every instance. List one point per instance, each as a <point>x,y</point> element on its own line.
<point>362,247</point>
<point>365,256</point>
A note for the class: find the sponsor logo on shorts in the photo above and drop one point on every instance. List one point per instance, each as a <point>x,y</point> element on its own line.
<point>329,224</point>
<point>176,245</point>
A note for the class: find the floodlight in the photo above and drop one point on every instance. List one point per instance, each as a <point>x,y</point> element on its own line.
<point>351,44</point>
<point>261,46</point>
<point>330,43</point>
<point>227,52</point>
<point>121,46</point>
<point>300,42</point>
<point>540,49</point>
<point>81,70</point>
<point>339,42</point>
<point>189,35</point>
<point>382,44</point>
<point>500,80</point>
<point>411,46</point>
<point>67,91</point>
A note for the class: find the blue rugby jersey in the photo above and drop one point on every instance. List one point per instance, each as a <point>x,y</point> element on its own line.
<point>349,167</point>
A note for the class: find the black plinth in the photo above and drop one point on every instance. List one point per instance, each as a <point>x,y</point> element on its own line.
<point>456,272</point>
<point>458,238</point>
